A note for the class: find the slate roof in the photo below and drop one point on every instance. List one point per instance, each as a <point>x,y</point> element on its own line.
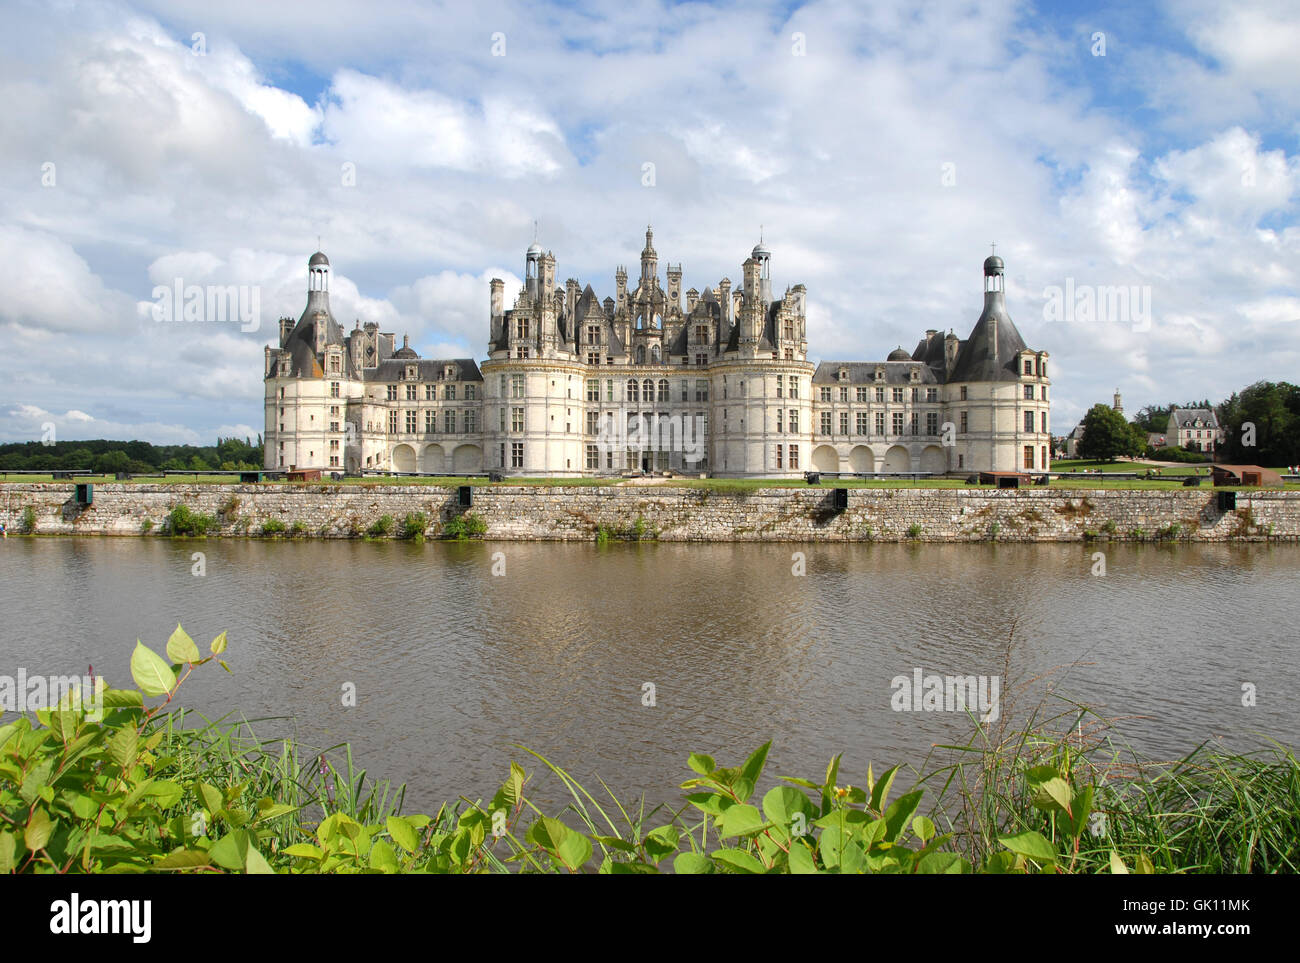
<point>864,373</point>
<point>429,369</point>
<point>1184,417</point>
<point>984,356</point>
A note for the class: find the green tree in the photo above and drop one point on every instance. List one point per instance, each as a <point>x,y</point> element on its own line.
<point>112,461</point>
<point>1106,435</point>
<point>1273,409</point>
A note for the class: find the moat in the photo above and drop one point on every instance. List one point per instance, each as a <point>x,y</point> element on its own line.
<point>453,664</point>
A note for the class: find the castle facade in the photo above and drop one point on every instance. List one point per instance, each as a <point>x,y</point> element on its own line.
<point>654,378</point>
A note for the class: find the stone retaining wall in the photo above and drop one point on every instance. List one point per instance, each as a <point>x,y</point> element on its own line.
<point>671,514</point>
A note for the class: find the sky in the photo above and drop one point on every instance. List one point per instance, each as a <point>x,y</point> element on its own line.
<point>1138,170</point>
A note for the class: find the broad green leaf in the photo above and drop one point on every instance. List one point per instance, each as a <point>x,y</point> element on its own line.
<point>122,698</point>
<point>39,828</point>
<point>403,833</point>
<point>880,791</point>
<point>661,841</point>
<point>899,812</point>
<point>738,860</point>
<point>801,860</point>
<point>181,648</point>
<point>1117,866</point>
<point>255,863</point>
<point>1143,865</point>
<point>211,796</point>
<point>218,644</point>
<point>923,828</point>
<point>382,857</point>
<point>692,864</point>
<point>782,802</point>
<point>934,863</point>
<point>1031,845</point>
<point>150,672</point>
<point>302,851</point>
<point>231,850</point>
<point>701,763</point>
<point>8,852</point>
<point>184,859</point>
<point>753,767</point>
<point>574,850</point>
<point>122,747</point>
<point>739,819</point>
<point>1053,794</point>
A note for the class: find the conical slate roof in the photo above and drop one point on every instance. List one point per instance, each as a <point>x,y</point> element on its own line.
<point>989,354</point>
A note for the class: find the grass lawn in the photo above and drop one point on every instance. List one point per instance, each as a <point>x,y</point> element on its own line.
<point>1108,466</point>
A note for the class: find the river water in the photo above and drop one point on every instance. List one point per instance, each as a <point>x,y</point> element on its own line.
<point>452,665</point>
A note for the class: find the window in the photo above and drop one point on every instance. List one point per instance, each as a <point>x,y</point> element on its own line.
<point>702,390</point>
<point>861,423</point>
<point>780,420</point>
<point>880,422</point>
<point>932,395</point>
<point>1029,451</point>
<point>1029,392</point>
<point>449,393</point>
<point>516,454</point>
<point>593,357</point>
<point>593,390</point>
<point>844,422</point>
<point>593,334</point>
<point>963,392</point>
<point>794,387</point>
<point>516,386</point>
<point>593,423</point>
<point>778,456</point>
<point>1042,425</point>
<point>1029,421</point>
<point>963,422</point>
<point>787,330</point>
<point>915,426</point>
<point>521,352</point>
<point>471,393</point>
<point>521,327</point>
<point>593,457</point>
<point>825,394</point>
<point>392,422</point>
<point>609,389</point>
<point>701,359</point>
<point>516,419</point>
<point>932,422</point>
<point>898,396</point>
<point>844,394</point>
<point>648,390</point>
<point>916,394</point>
<point>633,390</point>
<point>702,333</point>
<point>430,421</point>
<point>392,392</point>
<point>880,396</point>
<point>826,422</point>
<point>334,385</point>
<point>794,457</point>
<point>794,421</point>
<point>334,426</point>
<point>663,389</point>
<point>862,396</point>
<point>449,420</point>
<point>430,392</point>
<point>411,415</point>
<point>411,392</point>
<point>780,385</point>
<point>686,389</point>
<point>898,422</point>
<point>1043,464</point>
<point>471,419</point>
<point>1044,392</point>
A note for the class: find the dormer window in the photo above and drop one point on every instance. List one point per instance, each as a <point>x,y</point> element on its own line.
<point>916,374</point>
<point>411,372</point>
<point>844,374</point>
<point>880,374</point>
<point>449,373</point>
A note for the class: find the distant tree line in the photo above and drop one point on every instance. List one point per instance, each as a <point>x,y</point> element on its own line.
<point>138,457</point>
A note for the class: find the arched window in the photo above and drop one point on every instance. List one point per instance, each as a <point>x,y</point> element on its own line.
<point>632,390</point>
<point>654,354</point>
<point>648,389</point>
<point>663,389</point>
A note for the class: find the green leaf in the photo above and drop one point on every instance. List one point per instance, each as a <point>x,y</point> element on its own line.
<point>574,850</point>
<point>122,747</point>
<point>184,859</point>
<point>880,791</point>
<point>382,857</point>
<point>218,644</point>
<point>692,864</point>
<point>1053,794</point>
<point>738,860</point>
<point>923,828</point>
<point>1117,866</point>
<point>231,850</point>
<point>150,672</point>
<point>936,863</point>
<point>39,828</point>
<point>753,767</point>
<point>801,860</point>
<point>899,812</point>
<point>302,851</point>
<point>211,796</point>
<point>122,699</point>
<point>701,763</point>
<point>1031,845</point>
<point>738,820</point>
<point>181,648</point>
<point>782,802</point>
<point>403,833</point>
<point>8,853</point>
<point>1143,865</point>
<point>255,863</point>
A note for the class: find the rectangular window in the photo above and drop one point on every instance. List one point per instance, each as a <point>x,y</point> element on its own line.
<point>880,422</point>
<point>826,422</point>
<point>778,456</point>
<point>702,390</point>
<point>1029,370</point>
<point>430,421</point>
<point>1029,392</point>
<point>794,421</point>
<point>593,390</point>
<point>780,382</point>
<point>392,422</point>
<point>1044,392</point>
<point>844,394</point>
<point>411,392</point>
<point>1029,450</point>
<point>964,427</point>
<point>880,396</point>
<point>825,394</point>
<point>430,392</point>
<point>963,392</point>
<point>471,393</point>
<point>593,422</point>
<point>593,457</point>
<point>898,422</point>
<point>916,394</point>
<point>915,423</point>
<point>1029,421</point>
<point>780,420</point>
<point>516,454</point>
<point>449,421</point>
<point>932,422</point>
<point>471,419</point>
<point>844,422</point>
<point>861,423</point>
<point>392,392</point>
<point>516,386</point>
<point>932,395</point>
<point>609,389</point>
<point>898,396</point>
<point>334,389</point>
<point>411,415</point>
<point>516,419</point>
<point>449,393</point>
<point>794,457</point>
<point>862,396</point>
<point>1042,426</point>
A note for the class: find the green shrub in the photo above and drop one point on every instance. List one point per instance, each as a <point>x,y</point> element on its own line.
<point>183,522</point>
<point>29,519</point>
<point>272,527</point>
<point>914,530</point>
<point>413,526</point>
<point>462,527</point>
<point>1172,530</point>
<point>298,529</point>
<point>146,526</point>
<point>994,529</point>
<point>382,527</point>
<point>1137,532</point>
<point>1109,527</point>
